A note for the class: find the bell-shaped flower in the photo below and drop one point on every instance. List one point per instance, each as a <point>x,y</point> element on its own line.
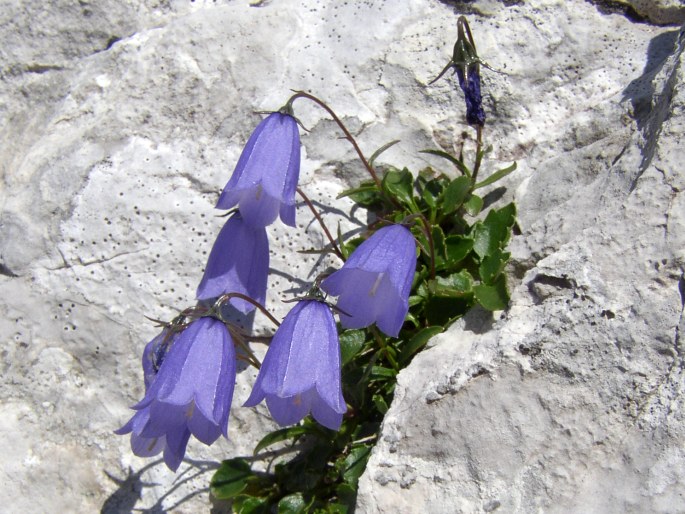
<point>374,283</point>
<point>265,178</point>
<point>238,263</point>
<point>190,394</point>
<point>301,370</point>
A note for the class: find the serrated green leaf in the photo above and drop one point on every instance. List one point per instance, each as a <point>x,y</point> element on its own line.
<point>399,185</point>
<point>417,342</point>
<point>456,285</point>
<point>382,149</point>
<point>455,194</point>
<point>493,297</point>
<point>493,233</point>
<point>355,463</point>
<point>454,160</point>
<point>496,176</point>
<point>230,479</point>
<point>492,265</point>
<point>280,435</point>
<point>431,191</point>
<point>457,248</point>
<point>292,504</point>
<point>473,205</point>
<point>351,341</point>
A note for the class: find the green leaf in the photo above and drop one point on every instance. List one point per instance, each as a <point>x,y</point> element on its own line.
<point>457,162</point>
<point>366,194</point>
<point>382,149</point>
<point>492,266</point>
<point>417,342</point>
<point>243,504</point>
<point>399,185</point>
<point>456,285</point>
<point>455,194</point>
<point>439,245</point>
<point>230,479</point>
<point>473,205</point>
<point>347,494</point>
<point>282,434</point>
<point>493,233</point>
<point>355,463</point>
<point>493,297</point>
<point>415,300</point>
<point>381,372</point>
<point>351,341</point>
<point>457,248</point>
<point>293,504</point>
<point>496,176</point>
<point>380,403</point>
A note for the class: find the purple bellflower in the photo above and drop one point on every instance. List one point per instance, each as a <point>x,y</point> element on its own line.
<point>374,283</point>
<point>265,178</point>
<point>238,263</point>
<point>190,394</point>
<point>301,370</point>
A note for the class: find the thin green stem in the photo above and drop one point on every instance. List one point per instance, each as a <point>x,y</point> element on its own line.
<point>348,135</point>
<point>226,297</point>
<point>237,338</point>
<point>479,152</point>
<point>336,250</point>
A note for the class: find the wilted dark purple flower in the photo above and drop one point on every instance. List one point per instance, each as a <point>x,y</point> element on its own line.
<point>238,263</point>
<point>374,283</point>
<point>265,178</point>
<point>466,63</point>
<point>190,394</point>
<point>301,371</point>
<point>153,354</point>
<point>470,85</point>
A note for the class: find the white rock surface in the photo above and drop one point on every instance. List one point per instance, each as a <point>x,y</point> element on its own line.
<point>121,122</point>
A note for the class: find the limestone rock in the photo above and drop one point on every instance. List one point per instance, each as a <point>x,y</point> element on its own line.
<point>571,401</point>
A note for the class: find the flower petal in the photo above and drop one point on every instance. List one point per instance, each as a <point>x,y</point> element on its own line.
<point>238,263</point>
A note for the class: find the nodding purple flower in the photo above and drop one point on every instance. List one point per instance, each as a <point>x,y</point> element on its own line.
<point>265,178</point>
<point>470,85</point>
<point>374,283</point>
<point>301,370</point>
<point>238,263</point>
<point>190,394</point>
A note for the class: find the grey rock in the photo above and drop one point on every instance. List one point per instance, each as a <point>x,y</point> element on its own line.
<point>576,401</point>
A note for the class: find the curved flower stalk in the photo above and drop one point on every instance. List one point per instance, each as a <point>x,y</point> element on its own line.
<point>190,394</point>
<point>301,370</point>
<point>238,263</point>
<point>374,283</point>
<point>265,178</point>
